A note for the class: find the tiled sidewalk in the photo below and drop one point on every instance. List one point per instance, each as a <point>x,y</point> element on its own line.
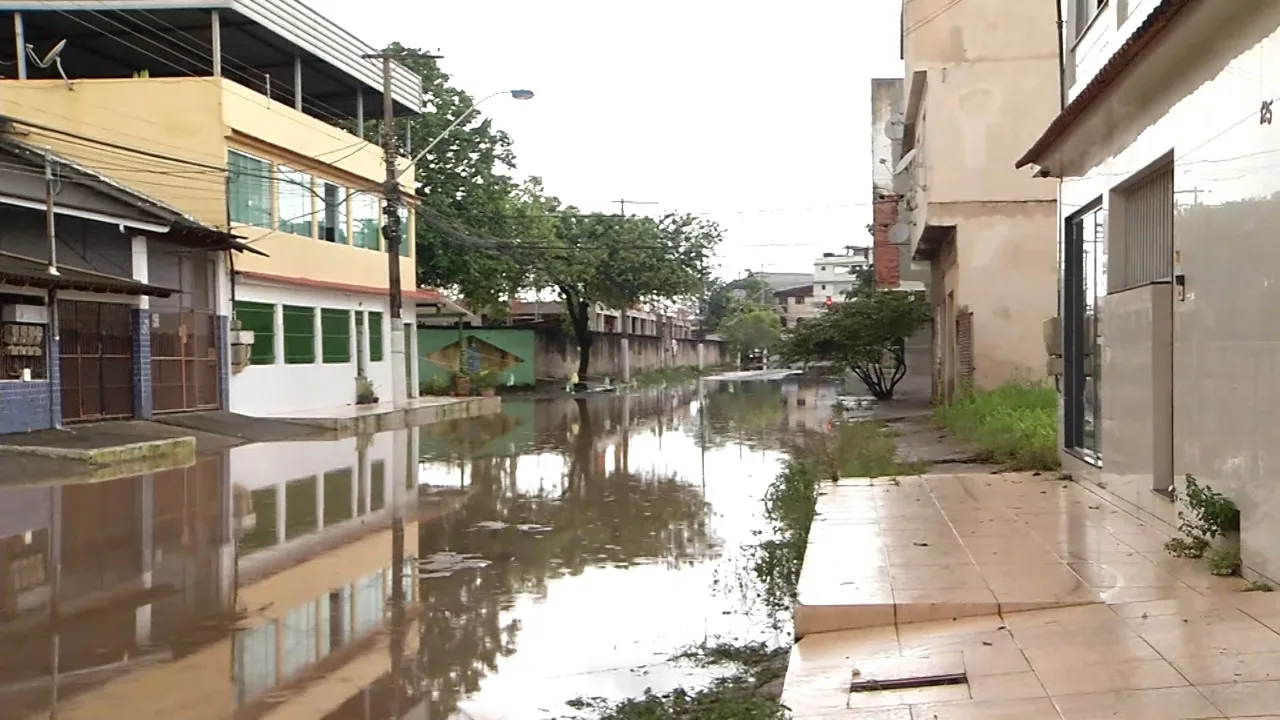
<point>915,549</point>
<point>943,574</point>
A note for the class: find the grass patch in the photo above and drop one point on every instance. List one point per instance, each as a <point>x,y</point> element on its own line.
<point>856,449</point>
<point>749,693</point>
<point>1015,425</point>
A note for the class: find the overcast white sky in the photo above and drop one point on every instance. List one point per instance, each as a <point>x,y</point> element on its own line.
<point>756,114</point>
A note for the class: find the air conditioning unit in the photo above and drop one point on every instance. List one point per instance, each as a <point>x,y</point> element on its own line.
<point>30,314</point>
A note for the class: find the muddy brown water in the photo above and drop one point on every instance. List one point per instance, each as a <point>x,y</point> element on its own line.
<point>483,568</point>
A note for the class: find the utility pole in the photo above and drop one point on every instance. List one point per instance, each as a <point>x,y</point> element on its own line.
<point>623,319</point>
<point>391,234</point>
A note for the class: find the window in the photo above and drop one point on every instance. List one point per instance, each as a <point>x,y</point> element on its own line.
<point>299,334</point>
<point>375,337</point>
<point>1084,286</point>
<point>1085,11</point>
<point>824,287</point>
<point>294,207</point>
<point>800,300</point>
<point>248,190</point>
<point>261,319</point>
<point>333,221</point>
<point>335,336</point>
<point>406,232</point>
<point>364,221</point>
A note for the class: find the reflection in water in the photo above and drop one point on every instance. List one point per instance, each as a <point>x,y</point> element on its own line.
<point>285,580</point>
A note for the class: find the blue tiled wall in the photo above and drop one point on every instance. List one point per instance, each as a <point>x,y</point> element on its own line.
<point>142,404</point>
<point>36,405</point>
<point>222,336</point>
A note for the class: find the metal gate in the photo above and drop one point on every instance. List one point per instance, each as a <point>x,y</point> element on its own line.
<point>96,360</point>
<point>184,361</point>
<point>964,348</point>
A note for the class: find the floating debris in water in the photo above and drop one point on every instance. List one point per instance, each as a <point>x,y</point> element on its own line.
<point>531,528</point>
<point>489,525</point>
<point>444,564</point>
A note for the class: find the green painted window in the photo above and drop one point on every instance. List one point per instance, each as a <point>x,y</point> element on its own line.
<point>261,319</point>
<point>377,485</point>
<point>299,334</point>
<point>365,221</point>
<point>335,335</point>
<point>375,337</point>
<point>294,201</point>
<point>248,189</point>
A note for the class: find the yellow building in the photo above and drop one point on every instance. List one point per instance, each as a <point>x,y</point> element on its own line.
<point>230,111</point>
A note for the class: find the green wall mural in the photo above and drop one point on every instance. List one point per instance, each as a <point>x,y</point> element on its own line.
<point>505,351</point>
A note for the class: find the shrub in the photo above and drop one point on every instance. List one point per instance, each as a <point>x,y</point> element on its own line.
<point>1016,424</point>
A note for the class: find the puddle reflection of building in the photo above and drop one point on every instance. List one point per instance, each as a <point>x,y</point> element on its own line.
<point>313,629</point>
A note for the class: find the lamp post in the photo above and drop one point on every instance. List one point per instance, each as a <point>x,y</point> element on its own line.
<point>391,229</point>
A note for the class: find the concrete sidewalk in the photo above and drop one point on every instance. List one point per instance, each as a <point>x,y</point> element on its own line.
<point>1039,598</point>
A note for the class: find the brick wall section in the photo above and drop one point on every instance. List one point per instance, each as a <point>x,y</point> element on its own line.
<point>36,405</point>
<point>142,401</point>
<point>221,336</point>
<point>884,254</point>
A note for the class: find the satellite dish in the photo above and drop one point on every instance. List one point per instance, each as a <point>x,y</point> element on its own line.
<point>899,234</point>
<point>905,162</point>
<point>53,54</point>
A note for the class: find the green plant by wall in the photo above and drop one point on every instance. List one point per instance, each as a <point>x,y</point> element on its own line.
<point>1015,424</point>
<point>437,385</point>
<point>1207,515</point>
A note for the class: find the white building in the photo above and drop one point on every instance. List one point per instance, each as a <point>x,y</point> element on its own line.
<point>836,274</point>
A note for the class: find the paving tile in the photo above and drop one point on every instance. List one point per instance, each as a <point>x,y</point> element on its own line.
<point>912,696</point>
<point>1039,709</point>
<point>1183,703</point>
<point>1245,699</point>
<point>1066,675</point>
<point>1224,668</point>
<point>923,577</point>
<point>1013,686</point>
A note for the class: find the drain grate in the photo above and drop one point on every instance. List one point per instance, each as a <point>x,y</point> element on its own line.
<point>908,683</point>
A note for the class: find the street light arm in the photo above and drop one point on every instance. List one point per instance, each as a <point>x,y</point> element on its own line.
<point>452,126</point>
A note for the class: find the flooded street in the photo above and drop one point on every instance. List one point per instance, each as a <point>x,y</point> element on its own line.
<point>490,567</point>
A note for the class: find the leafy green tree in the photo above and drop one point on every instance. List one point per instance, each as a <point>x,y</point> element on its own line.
<point>620,262</point>
<point>725,299</point>
<point>466,192</point>
<point>865,335</point>
<point>755,328</point>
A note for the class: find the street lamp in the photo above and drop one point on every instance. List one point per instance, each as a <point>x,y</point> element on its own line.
<point>517,94</point>
<point>399,372</point>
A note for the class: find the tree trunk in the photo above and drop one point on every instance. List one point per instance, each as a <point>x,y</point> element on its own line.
<point>580,319</point>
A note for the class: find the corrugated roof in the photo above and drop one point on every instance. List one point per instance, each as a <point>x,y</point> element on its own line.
<point>1156,22</point>
<point>24,271</point>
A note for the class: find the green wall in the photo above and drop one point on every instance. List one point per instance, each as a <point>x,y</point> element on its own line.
<point>508,351</point>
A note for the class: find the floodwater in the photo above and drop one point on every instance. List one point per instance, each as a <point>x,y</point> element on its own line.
<point>491,567</point>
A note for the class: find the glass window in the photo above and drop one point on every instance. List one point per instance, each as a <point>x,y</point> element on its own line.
<point>299,334</point>
<point>294,201</point>
<point>255,657</point>
<point>335,335</point>
<point>365,221</point>
<point>248,189</point>
<point>301,626</point>
<point>406,232</point>
<point>261,319</point>
<point>1084,286</point>
<point>333,221</point>
<point>375,337</point>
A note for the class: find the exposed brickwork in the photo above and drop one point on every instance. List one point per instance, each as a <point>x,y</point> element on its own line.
<point>36,405</point>
<point>884,253</point>
<point>142,402</point>
<point>221,336</point>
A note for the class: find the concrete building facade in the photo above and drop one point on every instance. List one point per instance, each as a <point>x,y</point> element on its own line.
<point>981,81</point>
<point>1164,152</point>
<point>235,121</point>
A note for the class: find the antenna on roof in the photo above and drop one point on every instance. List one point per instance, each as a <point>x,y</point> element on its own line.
<point>52,58</point>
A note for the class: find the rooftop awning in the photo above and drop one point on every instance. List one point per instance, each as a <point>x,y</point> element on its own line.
<point>23,271</point>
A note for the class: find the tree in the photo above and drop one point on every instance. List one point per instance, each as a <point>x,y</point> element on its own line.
<point>865,335</point>
<point>756,328</point>
<point>725,299</point>
<point>620,262</point>
<point>465,193</point>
